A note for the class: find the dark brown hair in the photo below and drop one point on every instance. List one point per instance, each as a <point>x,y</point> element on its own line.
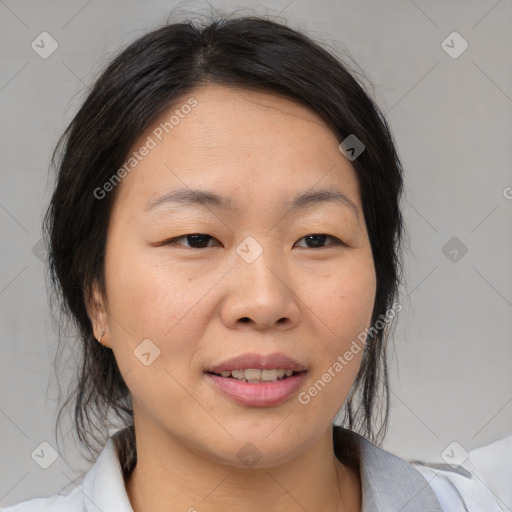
<point>152,73</point>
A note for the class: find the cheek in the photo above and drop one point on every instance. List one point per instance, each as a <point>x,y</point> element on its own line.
<point>357,296</point>
<point>343,301</point>
<point>148,299</point>
<point>342,309</point>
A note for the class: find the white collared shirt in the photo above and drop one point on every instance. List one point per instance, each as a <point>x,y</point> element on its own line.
<point>389,483</point>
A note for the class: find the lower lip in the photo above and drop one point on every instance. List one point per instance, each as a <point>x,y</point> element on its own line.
<point>264,394</point>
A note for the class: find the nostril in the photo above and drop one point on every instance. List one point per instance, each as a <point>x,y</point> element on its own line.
<point>244,319</point>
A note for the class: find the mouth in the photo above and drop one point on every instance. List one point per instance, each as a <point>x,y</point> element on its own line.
<point>257,380</point>
<point>257,376</point>
<point>252,362</point>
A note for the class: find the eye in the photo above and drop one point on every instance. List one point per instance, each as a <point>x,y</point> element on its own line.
<point>197,240</point>
<point>317,240</point>
<point>200,240</point>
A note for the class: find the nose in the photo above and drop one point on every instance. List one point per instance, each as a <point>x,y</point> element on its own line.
<point>261,295</point>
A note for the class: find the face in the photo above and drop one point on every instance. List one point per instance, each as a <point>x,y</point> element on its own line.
<point>273,281</point>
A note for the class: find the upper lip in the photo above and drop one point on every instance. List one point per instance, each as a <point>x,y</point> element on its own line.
<point>257,361</point>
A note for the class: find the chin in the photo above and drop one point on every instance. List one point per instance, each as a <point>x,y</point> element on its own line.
<point>264,446</point>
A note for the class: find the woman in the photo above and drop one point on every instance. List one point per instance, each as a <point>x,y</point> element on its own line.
<point>225,233</point>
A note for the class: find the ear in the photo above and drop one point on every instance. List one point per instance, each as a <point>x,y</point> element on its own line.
<point>97,311</point>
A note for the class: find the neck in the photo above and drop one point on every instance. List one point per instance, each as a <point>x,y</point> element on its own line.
<point>170,475</point>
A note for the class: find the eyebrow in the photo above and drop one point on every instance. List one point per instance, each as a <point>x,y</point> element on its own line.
<point>194,197</point>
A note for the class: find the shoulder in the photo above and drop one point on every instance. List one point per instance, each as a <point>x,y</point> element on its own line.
<point>55,503</point>
<point>389,483</point>
<point>102,488</point>
<point>481,483</point>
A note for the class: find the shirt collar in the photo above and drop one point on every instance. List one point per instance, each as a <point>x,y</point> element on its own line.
<point>389,484</point>
<point>103,485</point>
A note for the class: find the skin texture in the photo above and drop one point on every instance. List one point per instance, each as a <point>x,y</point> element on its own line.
<point>307,301</point>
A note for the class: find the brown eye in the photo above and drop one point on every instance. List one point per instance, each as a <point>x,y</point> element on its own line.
<point>196,241</point>
<point>317,240</point>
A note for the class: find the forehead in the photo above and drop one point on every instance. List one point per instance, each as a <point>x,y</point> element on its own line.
<point>238,142</point>
<point>229,118</point>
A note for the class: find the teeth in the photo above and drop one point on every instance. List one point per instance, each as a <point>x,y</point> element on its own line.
<point>271,374</point>
<point>254,375</point>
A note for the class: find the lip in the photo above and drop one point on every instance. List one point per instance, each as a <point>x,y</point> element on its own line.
<point>262,394</point>
<point>258,362</point>
<point>258,394</point>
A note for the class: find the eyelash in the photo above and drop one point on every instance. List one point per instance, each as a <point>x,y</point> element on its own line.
<point>173,241</point>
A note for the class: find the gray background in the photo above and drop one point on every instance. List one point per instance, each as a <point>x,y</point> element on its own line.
<point>451,118</point>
